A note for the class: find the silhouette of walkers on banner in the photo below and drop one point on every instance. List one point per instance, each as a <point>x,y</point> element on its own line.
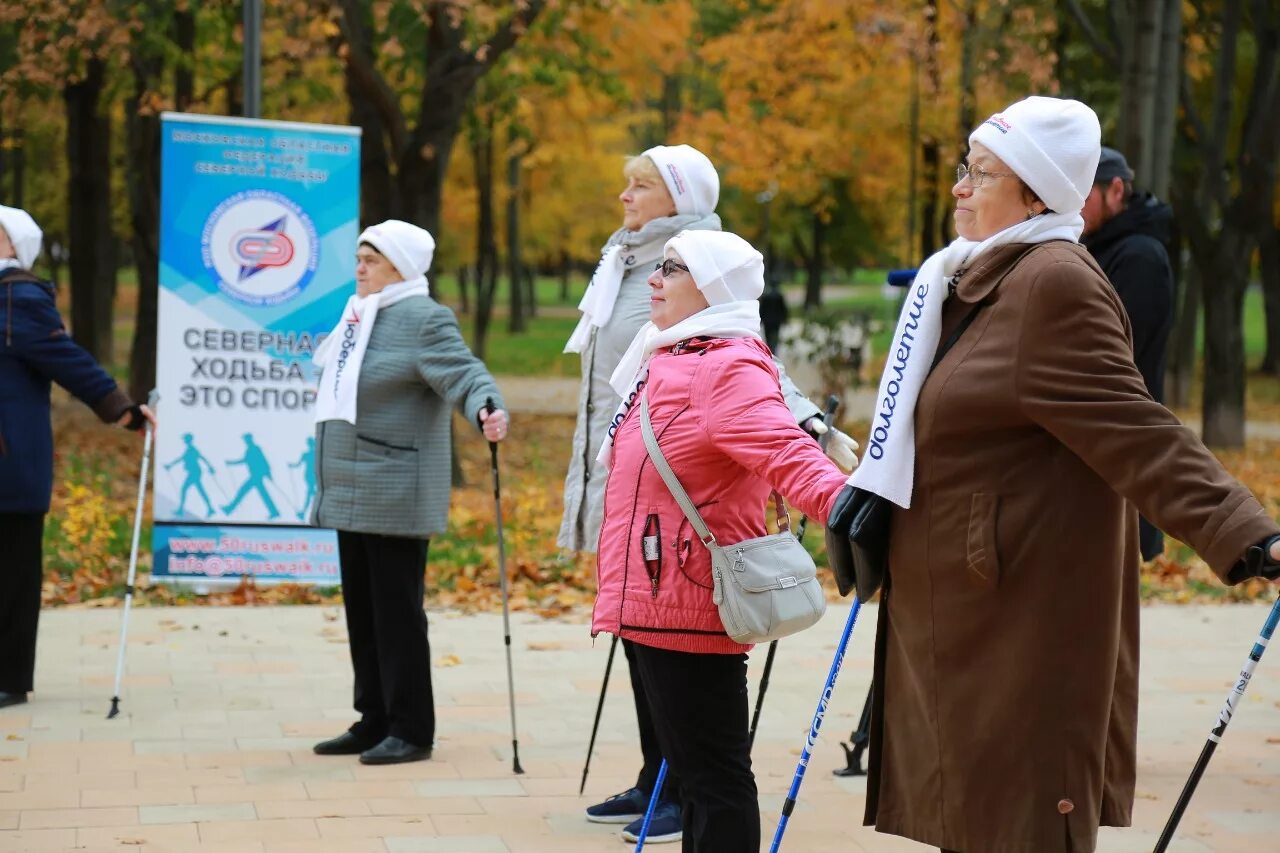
<point>259,473</point>
<point>308,466</point>
<point>191,460</point>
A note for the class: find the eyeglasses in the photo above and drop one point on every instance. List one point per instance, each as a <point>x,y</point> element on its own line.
<point>978,175</point>
<point>669,268</point>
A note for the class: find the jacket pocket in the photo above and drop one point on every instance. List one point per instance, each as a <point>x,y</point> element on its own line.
<point>386,478</point>
<point>686,542</point>
<point>981,555</point>
<point>386,444</point>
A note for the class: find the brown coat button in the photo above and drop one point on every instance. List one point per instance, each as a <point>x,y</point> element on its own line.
<point>1065,806</point>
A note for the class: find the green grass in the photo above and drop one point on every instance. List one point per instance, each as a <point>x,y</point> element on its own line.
<point>538,351</point>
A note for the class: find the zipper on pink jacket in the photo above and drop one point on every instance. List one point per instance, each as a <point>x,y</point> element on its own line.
<point>651,548</point>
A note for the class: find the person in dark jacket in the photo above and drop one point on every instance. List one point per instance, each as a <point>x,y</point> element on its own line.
<point>1129,234</point>
<point>35,351</point>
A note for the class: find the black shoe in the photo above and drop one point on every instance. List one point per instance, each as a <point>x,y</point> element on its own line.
<point>346,743</point>
<point>393,750</point>
<point>7,699</point>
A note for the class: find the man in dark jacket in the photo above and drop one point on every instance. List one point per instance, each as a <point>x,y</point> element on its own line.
<point>35,351</point>
<point>1129,234</point>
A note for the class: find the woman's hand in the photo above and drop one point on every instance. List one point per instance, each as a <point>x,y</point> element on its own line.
<point>494,424</point>
<point>135,417</point>
<point>1261,560</point>
<point>839,447</point>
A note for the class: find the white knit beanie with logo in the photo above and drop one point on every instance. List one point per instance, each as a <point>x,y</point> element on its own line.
<point>689,176</point>
<point>725,267</point>
<point>408,247</point>
<point>1053,144</point>
<point>23,233</point>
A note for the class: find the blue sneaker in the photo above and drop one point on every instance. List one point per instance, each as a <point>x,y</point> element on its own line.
<point>667,825</point>
<point>620,808</point>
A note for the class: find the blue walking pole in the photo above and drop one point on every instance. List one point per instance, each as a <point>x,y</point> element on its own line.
<point>1220,727</point>
<point>653,802</point>
<point>789,804</point>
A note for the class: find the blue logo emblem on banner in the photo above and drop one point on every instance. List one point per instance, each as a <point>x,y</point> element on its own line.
<point>260,246</point>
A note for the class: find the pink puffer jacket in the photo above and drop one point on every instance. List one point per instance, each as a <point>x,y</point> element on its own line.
<point>722,424</point>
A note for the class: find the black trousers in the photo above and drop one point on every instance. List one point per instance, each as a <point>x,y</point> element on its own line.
<point>699,707</point>
<point>671,789</point>
<point>21,573</point>
<point>382,588</point>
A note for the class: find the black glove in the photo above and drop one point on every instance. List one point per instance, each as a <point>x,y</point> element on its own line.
<point>842,513</point>
<point>1257,562</point>
<point>137,420</point>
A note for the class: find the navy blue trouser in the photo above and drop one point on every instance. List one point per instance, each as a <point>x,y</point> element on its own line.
<point>699,707</point>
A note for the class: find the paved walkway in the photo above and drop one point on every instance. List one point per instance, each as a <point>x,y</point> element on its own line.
<point>220,707</point>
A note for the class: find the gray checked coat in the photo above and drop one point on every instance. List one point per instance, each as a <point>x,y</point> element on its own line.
<point>597,401</point>
<point>389,473</point>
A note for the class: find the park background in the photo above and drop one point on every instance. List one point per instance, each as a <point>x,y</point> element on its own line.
<point>502,127</point>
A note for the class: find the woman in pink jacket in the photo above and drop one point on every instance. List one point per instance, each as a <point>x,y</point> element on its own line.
<point>722,424</point>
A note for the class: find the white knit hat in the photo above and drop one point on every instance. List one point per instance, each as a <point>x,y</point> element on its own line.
<point>1051,143</point>
<point>408,247</point>
<point>724,266</point>
<point>689,176</point>
<point>23,233</point>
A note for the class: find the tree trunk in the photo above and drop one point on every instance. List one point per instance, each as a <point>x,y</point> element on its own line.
<point>464,299</point>
<point>486,242</point>
<point>814,263</point>
<point>1269,266</point>
<point>142,134</point>
<point>1168,83</point>
<point>1121,18</point>
<point>930,227</point>
<point>565,271</point>
<point>968,46</point>
<point>424,162</point>
<point>184,38</point>
<point>930,155</point>
<point>1224,375</point>
<point>1269,257</point>
<point>375,167</point>
<point>515,278</point>
<point>1148,18</point>
<point>1182,345</point>
<point>93,257</point>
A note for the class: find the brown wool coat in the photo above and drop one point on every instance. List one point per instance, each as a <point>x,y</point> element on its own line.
<point>1007,651</point>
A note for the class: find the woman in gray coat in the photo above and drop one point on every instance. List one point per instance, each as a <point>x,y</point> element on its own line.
<point>392,371</point>
<point>670,188</point>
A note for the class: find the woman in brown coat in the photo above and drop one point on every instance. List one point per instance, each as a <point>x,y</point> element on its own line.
<point>1006,675</point>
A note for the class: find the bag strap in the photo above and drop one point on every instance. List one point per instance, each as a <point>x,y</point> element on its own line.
<point>669,476</point>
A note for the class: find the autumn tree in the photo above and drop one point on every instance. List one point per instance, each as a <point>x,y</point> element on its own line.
<point>432,53</point>
<point>1234,130</point>
<point>67,47</point>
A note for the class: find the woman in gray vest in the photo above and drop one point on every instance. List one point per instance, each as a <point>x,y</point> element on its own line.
<point>393,369</point>
<point>670,188</point>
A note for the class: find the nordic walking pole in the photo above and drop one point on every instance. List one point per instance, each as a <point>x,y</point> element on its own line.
<point>502,579</point>
<point>833,403</point>
<point>789,804</point>
<point>133,561</point>
<point>595,727</point>
<point>653,802</point>
<point>1220,727</point>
